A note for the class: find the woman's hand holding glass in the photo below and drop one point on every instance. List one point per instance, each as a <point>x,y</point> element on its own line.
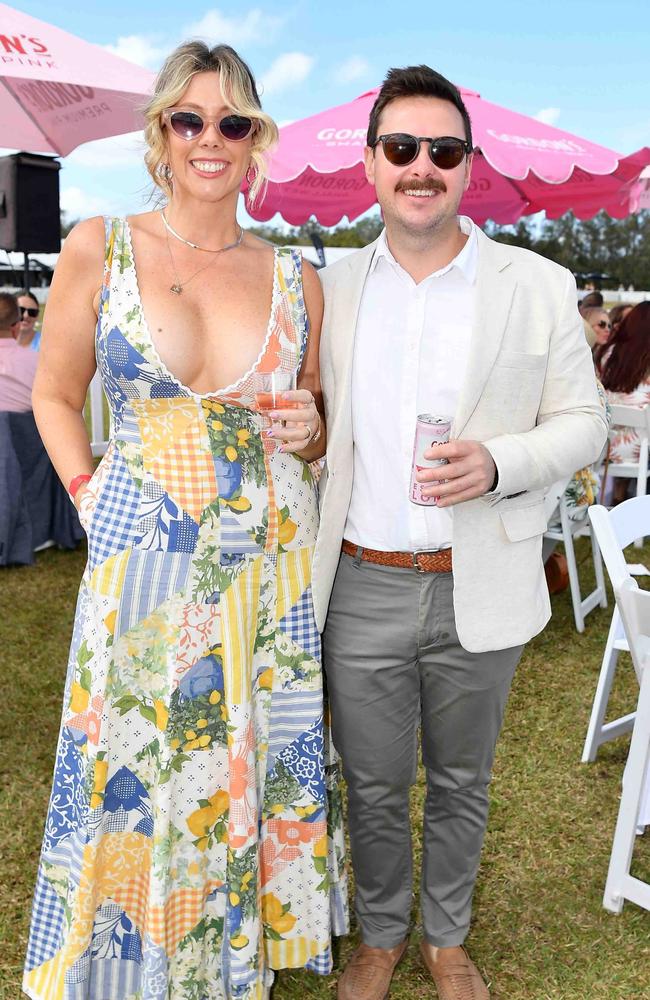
<point>291,413</point>
<point>295,420</point>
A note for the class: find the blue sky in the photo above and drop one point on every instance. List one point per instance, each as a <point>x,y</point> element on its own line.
<point>581,65</point>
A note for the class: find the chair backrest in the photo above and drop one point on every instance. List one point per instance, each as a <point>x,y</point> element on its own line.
<point>634,607</point>
<point>632,416</point>
<point>616,529</point>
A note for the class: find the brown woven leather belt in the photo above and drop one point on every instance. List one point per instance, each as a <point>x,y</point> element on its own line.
<point>423,562</point>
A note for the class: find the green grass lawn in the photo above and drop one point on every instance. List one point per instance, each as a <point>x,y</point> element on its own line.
<point>540,932</point>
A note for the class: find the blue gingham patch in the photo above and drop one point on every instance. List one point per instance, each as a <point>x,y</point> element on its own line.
<point>47,925</point>
<point>114,517</point>
<point>299,624</point>
<point>321,964</point>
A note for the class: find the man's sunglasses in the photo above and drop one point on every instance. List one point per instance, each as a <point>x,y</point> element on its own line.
<point>25,311</point>
<point>191,125</point>
<point>446,152</point>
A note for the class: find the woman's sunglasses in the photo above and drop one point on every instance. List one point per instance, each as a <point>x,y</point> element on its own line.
<point>400,148</point>
<point>602,324</point>
<point>26,311</point>
<point>191,125</point>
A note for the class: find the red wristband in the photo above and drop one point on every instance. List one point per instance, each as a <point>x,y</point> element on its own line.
<point>78,481</point>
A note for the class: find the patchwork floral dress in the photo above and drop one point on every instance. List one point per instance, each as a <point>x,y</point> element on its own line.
<point>186,850</point>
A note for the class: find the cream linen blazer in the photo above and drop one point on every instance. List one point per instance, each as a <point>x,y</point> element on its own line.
<point>529,395</point>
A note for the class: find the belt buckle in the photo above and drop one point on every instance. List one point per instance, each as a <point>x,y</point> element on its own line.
<point>421,552</point>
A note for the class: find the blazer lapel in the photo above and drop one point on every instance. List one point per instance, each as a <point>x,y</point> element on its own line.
<point>347,294</point>
<point>495,286</point>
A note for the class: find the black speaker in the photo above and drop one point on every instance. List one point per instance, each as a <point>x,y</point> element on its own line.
<point>30,217</point>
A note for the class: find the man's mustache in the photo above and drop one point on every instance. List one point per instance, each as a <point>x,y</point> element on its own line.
<point>421,184</point>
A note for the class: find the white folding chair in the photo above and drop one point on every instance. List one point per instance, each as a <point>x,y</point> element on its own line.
<point>614,529</point>
<point>565,532</point>
<point>637,419</point>
<point>634,607</point>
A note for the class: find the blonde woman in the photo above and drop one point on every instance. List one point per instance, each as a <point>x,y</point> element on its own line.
<point>186,851</point>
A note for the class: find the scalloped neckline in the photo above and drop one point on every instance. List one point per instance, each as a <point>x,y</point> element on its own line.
<point>233,386</point>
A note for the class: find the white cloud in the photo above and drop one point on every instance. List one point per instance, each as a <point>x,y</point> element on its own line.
<point>78,204</point>
<point>140,49</point>
<point>253,27</point>
<point>244,29</point>
<point>112,153</point>
<point>549,116</point>
<point>286,71</point>
<point>352,69</point>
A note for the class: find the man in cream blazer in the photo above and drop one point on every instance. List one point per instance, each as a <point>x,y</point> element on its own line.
<point>426,610</point>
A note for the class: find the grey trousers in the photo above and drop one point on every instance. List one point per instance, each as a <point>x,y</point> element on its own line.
<point>394,663</point>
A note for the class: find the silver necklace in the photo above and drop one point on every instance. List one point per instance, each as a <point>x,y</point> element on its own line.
<point>195,246</point>
<point>178,285</point>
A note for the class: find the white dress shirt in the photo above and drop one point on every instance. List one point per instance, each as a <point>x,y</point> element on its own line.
<point>410,357</point>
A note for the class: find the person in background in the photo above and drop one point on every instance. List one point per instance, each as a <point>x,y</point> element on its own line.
<point>599,321</point>
<point>590,300</point>
<point>590,334</point>
<point>17,367</point>
<point>600,346</point>
<point>625,374</point>
<point>601,327</point>
<point>28,335</point>
<point>618,313</point>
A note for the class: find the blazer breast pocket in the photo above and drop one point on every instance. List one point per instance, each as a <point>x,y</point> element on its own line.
<point>516,382</point>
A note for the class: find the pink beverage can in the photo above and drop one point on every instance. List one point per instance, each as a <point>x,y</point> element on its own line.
<point>431,429</point>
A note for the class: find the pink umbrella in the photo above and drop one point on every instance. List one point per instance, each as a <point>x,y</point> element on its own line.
<point>522,166</point>
<point>59,91</point>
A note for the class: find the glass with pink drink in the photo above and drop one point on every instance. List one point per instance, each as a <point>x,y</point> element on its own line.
<point>269,387</point>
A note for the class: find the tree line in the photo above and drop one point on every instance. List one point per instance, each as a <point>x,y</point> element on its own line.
<point>616,248</point>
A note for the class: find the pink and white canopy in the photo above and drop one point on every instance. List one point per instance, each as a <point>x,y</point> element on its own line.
<point>57,91</point>
<point>522,166</point>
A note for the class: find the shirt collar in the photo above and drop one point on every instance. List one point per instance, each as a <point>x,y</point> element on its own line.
<point>466,261</point>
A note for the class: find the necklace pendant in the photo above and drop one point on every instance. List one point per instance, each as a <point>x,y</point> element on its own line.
<point>176,289</point>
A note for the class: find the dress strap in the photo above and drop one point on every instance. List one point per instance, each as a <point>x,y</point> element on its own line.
<point>290,264</point>
<point>111,235</point>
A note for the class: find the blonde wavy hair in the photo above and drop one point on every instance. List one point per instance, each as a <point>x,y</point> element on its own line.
<point>238,89</point>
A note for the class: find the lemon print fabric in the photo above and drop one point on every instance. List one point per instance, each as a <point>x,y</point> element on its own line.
<point>194,840</point>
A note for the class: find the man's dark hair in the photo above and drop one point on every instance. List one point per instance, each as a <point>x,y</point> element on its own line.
<point>592,300</point>
<point>416,81</point>
<point>8,310</point>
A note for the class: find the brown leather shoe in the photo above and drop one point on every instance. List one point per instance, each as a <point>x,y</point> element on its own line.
<point>455,975</point>
<point>368,974</point>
